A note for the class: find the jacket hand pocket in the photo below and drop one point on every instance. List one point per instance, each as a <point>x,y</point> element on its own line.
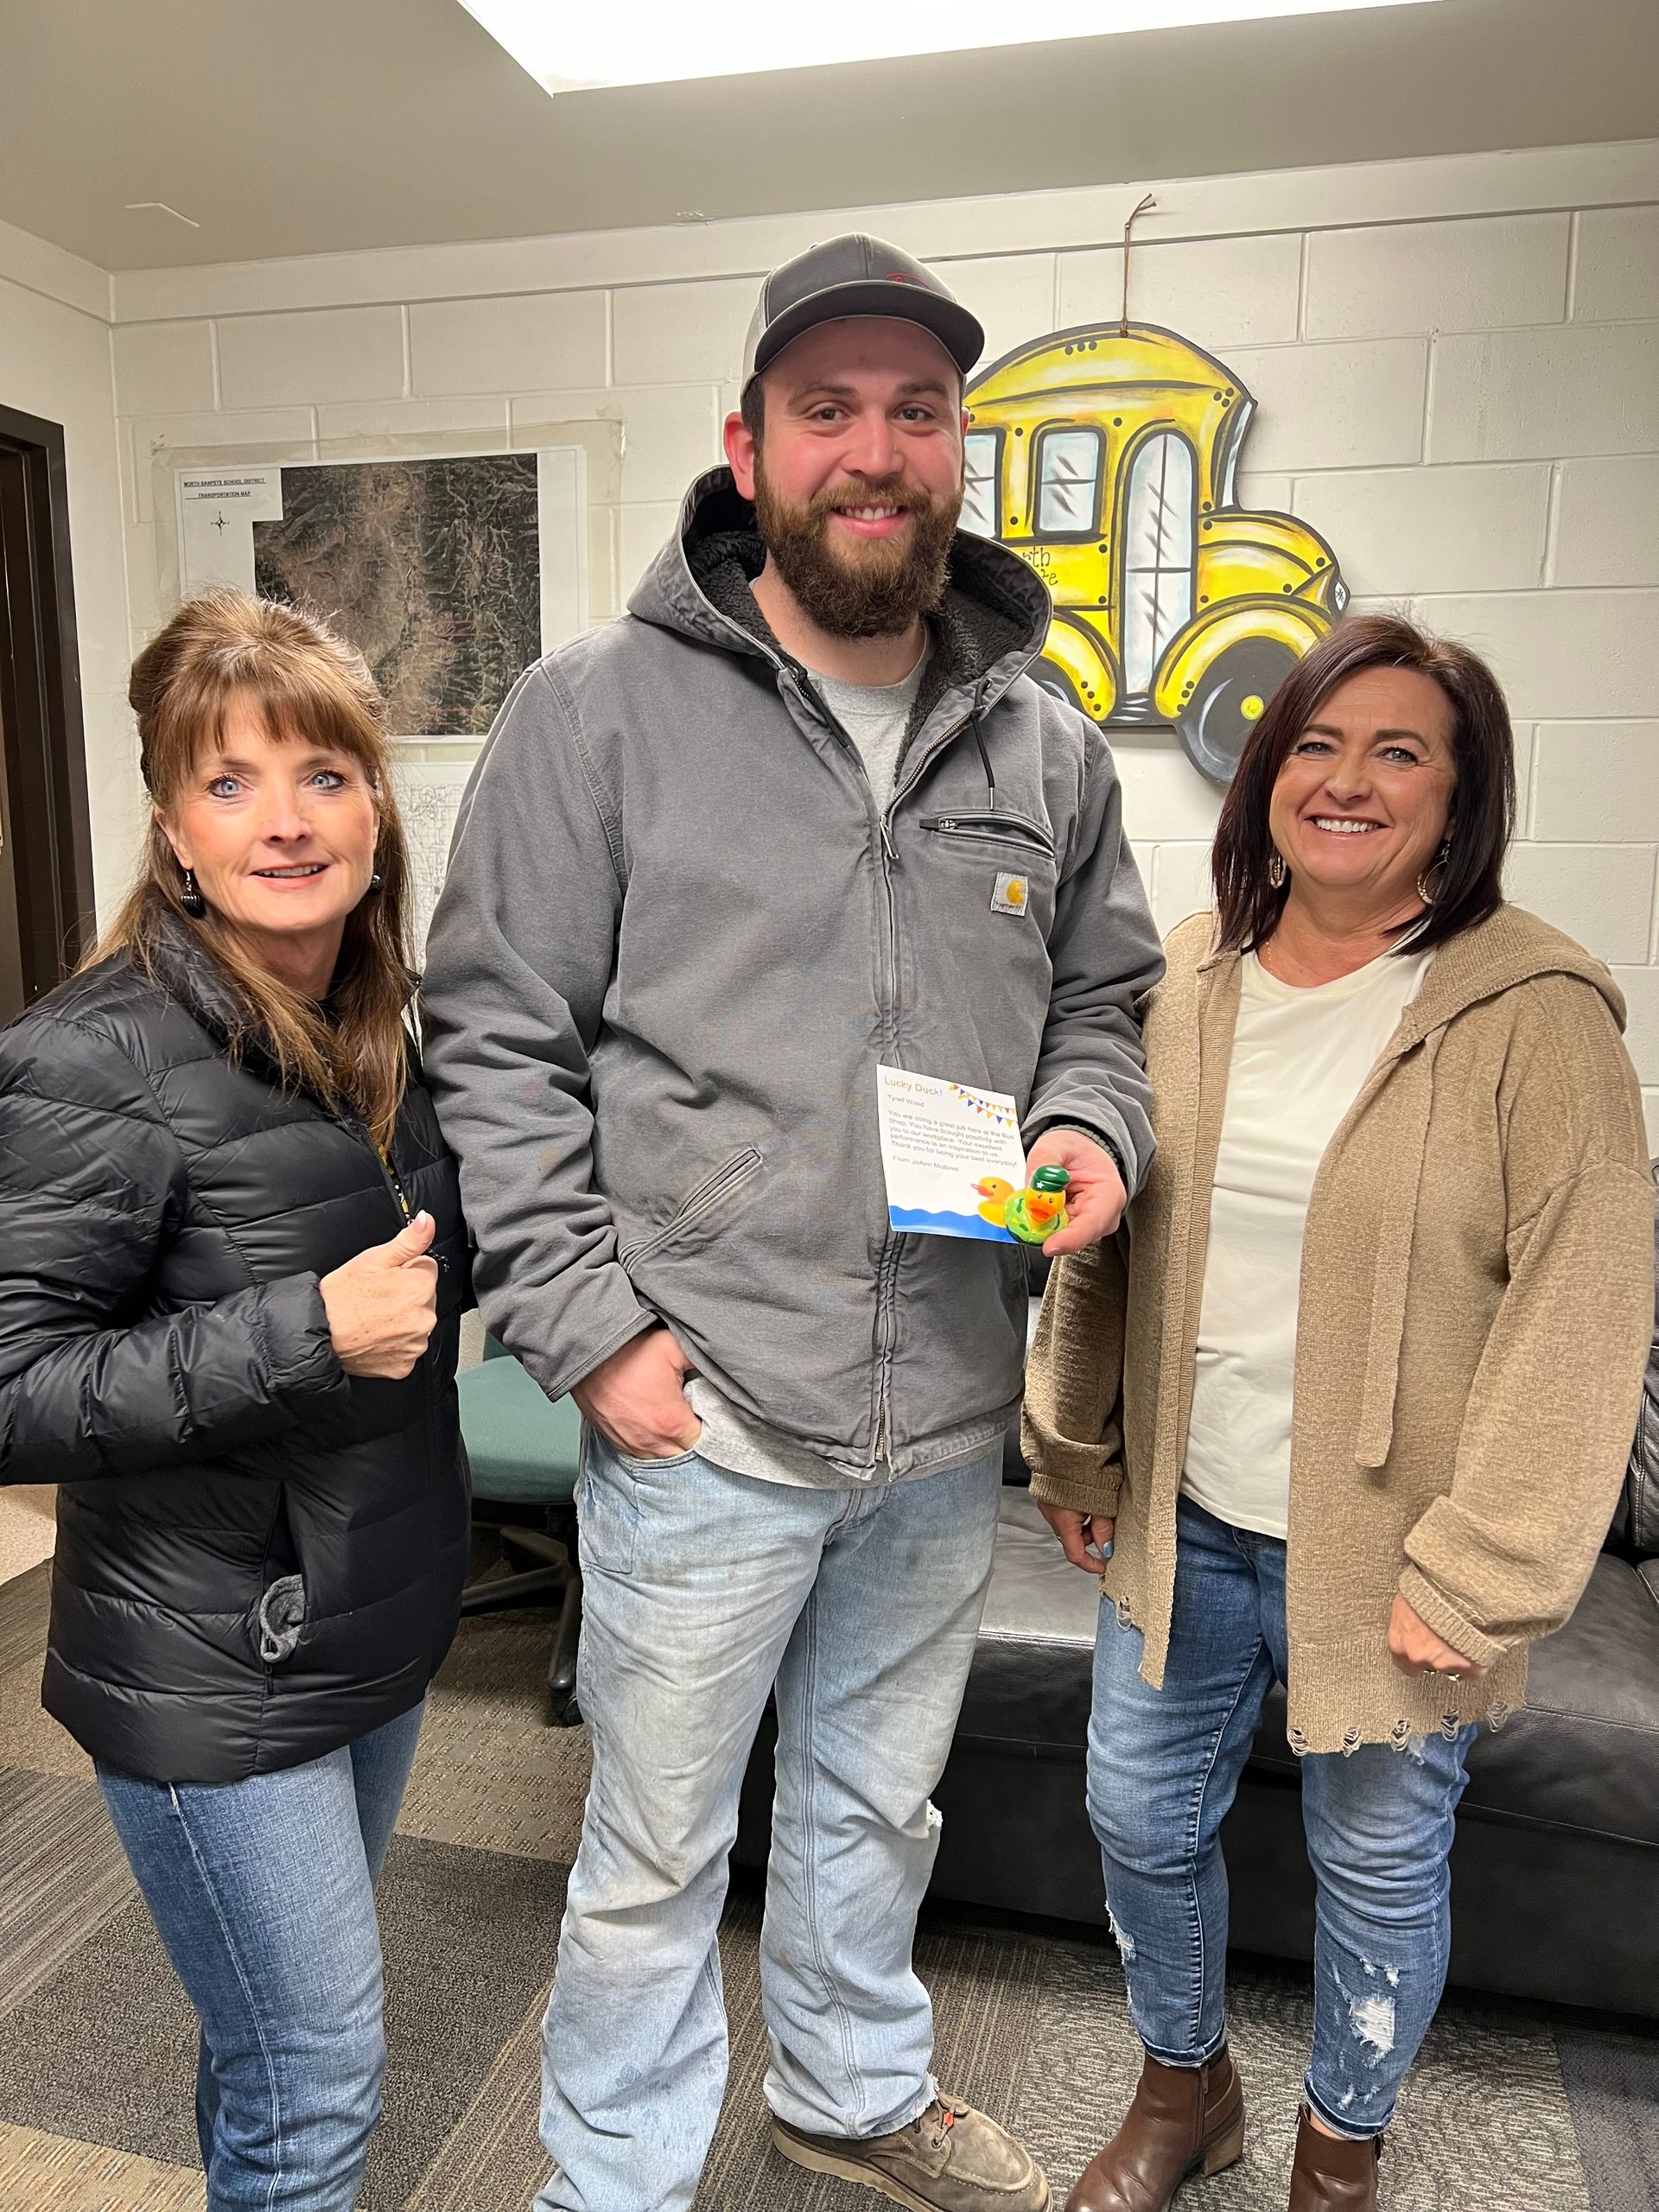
<point>281,1619</point>
<point>702,1200</point>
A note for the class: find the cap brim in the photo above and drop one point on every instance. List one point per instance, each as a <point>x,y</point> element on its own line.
<point>958,331</point>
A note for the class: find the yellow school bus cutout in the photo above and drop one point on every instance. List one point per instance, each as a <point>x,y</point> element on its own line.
<point>1108,461</point>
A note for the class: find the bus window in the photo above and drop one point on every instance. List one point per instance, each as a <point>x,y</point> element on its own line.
<point>982,460</point>
<point>1068,483</point>
<point>1159,548</point>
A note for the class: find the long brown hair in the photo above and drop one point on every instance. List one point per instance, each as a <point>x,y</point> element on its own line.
<point>307,683</point>
<point>1471,885</point>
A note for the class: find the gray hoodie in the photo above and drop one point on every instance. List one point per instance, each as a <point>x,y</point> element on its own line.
<point>678,936</point>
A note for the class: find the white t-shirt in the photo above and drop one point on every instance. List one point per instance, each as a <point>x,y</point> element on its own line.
<point>1300,1059</point>
<point>876,716</point>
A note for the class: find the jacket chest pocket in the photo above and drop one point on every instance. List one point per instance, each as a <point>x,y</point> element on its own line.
<point>1012,856</point>
<point>985,832</point>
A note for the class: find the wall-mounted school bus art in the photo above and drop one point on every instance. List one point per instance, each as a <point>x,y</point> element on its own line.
<point>1108,461</point>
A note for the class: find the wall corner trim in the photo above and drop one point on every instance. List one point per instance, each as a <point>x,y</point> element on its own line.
<point>40,266</point>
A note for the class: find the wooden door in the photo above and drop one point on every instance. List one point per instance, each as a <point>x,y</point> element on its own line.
<point>45,876</point>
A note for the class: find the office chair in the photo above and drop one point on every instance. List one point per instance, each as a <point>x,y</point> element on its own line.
<point>525,1449</point>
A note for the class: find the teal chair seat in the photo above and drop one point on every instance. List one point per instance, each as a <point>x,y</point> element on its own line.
<point>525,1449</point>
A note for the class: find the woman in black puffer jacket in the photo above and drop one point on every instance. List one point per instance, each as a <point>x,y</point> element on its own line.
<point>231,1268</point>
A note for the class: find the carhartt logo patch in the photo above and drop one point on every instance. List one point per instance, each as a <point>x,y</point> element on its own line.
<point>1011,894</point>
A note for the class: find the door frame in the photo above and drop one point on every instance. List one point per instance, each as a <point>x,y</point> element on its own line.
<point>40,717</point>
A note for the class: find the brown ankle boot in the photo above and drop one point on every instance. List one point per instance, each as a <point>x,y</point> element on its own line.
<point>1182,2119</point>
<point>1331,2175</point>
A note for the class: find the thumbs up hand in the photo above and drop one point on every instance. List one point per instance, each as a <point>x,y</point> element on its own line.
<point>383,1306</point>
<point>412,1241</point>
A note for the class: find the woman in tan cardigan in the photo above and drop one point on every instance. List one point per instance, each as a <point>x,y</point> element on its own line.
<point>1349,1402</point>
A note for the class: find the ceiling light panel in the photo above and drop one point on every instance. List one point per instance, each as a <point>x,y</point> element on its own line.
<point>604,42</point>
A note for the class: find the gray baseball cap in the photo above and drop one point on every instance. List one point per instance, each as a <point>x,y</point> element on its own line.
<point>855,275</point>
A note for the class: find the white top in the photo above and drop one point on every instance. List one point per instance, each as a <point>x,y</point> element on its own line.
<point>1299,1059</point>
<point>876,716</point>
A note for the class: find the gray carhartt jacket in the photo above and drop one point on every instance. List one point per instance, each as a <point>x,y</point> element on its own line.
<point>678,935</point>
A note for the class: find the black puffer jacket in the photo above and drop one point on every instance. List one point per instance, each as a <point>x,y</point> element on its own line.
<point>165,1215</point>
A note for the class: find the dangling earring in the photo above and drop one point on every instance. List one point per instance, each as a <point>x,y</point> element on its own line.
<point>376,887</point>
<point>1439,861</point>
<point>190,899</point>
<point>1276,872</point>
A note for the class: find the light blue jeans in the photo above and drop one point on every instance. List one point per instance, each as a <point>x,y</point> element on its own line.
<point>264,1893</point>
<point>1163,1768</point>
<point>701,1588</point>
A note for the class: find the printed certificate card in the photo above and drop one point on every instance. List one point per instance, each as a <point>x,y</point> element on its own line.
<point>952,1156</point>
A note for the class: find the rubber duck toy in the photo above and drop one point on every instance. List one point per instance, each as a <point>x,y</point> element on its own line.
<point>995,1193</point>
<point>1033,1215</point>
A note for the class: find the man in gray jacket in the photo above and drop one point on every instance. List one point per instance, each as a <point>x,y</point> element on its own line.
<point>800,813</point>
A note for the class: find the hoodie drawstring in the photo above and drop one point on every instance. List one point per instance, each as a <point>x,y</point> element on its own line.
<point>984,757</point>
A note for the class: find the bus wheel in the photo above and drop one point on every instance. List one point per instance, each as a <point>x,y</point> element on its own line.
<point>1231,697</point>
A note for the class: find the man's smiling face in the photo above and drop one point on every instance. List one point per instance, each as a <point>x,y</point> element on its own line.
<point>857,477</point>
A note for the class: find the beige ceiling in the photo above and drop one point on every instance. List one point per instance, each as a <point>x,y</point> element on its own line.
<point>307,126</point>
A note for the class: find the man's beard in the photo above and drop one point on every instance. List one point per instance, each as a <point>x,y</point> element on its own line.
<point>875,588</point>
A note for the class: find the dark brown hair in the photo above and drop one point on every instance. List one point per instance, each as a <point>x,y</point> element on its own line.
<point>306,684</point>
<point>1483,751</point>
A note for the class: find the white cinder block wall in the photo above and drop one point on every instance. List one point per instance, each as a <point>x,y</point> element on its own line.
<point>1456,364</point>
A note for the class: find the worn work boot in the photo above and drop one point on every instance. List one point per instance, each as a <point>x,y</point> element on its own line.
<point>1332,2174</point>
<point>950,2158</point>
<point>1182,2119</point>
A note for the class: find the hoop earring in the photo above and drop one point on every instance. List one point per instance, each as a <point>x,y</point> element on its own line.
<point>1277,872</point>
<point>1439,861</point>
<point>191,899</point>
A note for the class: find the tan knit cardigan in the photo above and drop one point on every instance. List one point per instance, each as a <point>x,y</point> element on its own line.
<point>1477,1299</point>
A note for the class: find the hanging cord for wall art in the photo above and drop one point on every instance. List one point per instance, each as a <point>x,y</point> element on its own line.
<point>1123,320</point>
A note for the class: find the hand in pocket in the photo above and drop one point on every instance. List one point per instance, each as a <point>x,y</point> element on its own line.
<point>637,1398</point>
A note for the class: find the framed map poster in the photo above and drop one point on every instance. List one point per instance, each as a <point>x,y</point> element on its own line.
<point>428,793</point>
<point>450,574</point>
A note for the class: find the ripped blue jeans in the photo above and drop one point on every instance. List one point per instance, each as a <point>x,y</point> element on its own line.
<point>1163,1767</point>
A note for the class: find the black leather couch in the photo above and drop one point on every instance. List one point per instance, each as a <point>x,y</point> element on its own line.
<point>1555,1870</point>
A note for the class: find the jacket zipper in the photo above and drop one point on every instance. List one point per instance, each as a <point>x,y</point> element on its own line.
<point>887,1264</point>
<point>886,1270</point>
<point>396,1187</point>
<point>394,1183</point>
<point>359,1130</point>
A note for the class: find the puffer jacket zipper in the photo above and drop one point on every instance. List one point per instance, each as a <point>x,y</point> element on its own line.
<point>358,1131</point>
<point>394,1183</point>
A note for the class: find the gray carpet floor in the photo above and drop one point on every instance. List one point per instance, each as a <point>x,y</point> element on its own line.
<point>1511,2108</point>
